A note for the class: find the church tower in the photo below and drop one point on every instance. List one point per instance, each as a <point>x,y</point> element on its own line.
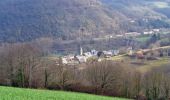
<point>81,51</point>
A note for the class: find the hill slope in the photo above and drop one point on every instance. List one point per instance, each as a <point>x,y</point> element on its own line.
<point>24,20</point>
<point>28,94</point>
<point>28,19</point>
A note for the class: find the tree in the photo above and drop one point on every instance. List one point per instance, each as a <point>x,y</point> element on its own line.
<point>104,75</point>
<point>137,83</point>
<point>166,86</point>
<point>20,61</point>
<point>64,75</point>
<point>152,84</point>
<point>154,38</point>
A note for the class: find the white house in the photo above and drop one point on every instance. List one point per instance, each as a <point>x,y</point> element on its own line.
<point>64,60</point>
<point>94,52</point>
<point>132,21</point>
<point>147,33</point>
<point>156,30</point>
<point>88,54</point>
<point>132,34</point>
<point>81,59</point>
<point>130,51</point>
<point>116,52</point>
<point>70,59</point>
<point>119,35</point>
<point>108,53</point>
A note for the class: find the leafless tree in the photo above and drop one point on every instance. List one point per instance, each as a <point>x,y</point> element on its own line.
<point>104,75</point>
<point>152,85</point>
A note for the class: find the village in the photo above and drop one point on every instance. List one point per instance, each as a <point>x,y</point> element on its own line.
<point>84,57</point>
<point>99,55</point>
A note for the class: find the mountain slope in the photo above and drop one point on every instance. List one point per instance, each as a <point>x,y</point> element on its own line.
<point>145,13</point>
<point>24,20</point>
<point>133,8</point>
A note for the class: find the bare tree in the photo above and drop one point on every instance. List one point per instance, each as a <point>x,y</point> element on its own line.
<point>152,85</point>
<point>104,75</point>
<point>166,86</point>
<point>64,75</point>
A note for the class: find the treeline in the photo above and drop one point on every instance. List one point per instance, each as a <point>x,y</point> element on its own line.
<point>25,65</point>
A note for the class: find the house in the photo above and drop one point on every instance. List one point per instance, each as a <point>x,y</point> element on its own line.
<point>109,36</point>
<point>132,21</point>
<point>81,59</point>
<point>130,51</point>
<point>94,52</point>
<point>148,32</point>
<point>71,56</point>
<point>70,60</point>
<point>108,53</point>
<point>88,54</point>
<point>64,60</point>
<point>156,30</point>
<point>119,35</point>
<point>132,34</point>
<point>145,19</point>
<point>116,52</point>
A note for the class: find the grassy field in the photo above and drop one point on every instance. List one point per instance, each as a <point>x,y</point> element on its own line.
<point>119,57</point>
<point>161,4</point>
<point>142,65</point>
<point>8,93</point>
<point>146,65</point>
<point>157,4</point>
<point>143,39</point>
<point>153,64</point>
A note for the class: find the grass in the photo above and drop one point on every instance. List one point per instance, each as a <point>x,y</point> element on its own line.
<point>168,20</point>
<point>143,39</point>
<point>9,93</point>
<point>153,64</point>
<point>52,57</point>
<point>158,4</point>
<point>118,58</point>
<point>161,4</point>
<point>144,65</point>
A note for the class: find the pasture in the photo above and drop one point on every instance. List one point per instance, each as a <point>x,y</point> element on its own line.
<point>9,93</point>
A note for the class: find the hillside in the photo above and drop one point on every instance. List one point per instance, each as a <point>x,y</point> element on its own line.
<point>24,20</point>
<point>144,13</point>
<point>28,19</point>
<point>28,94</point>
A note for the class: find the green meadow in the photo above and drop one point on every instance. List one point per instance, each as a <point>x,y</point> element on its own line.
<point>9,93</point>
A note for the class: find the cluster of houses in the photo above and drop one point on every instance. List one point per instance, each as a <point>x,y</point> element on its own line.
<point>141,54</point>
<point>134,34</point>
<point>83,57</point>
<point>153,31</point>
